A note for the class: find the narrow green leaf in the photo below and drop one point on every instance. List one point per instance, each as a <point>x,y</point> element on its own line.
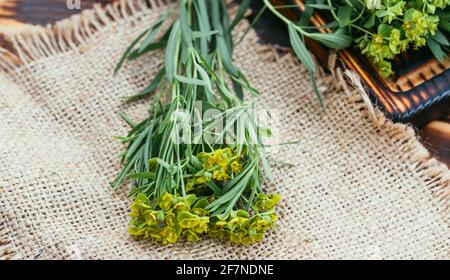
<point>186,31</point>
<point>306,14</point>
<point>226,57</point>
<point>320,7</point>
<point>316,90</point>
<point>150,47</point>
<point>128,50</point>
<point>300,49</point>
<point>190,81</point>
<point>444,25</point>
<point>243,7</point>
<point>127,119</point>
<point>198,34</point>
<point>205,78</point>
<point>143,175</point>
<point>238,89</point>
<point>171,55</point>
<point>214,188</point>
<point>204,25</point>
<point>337,40</point>
<point>440,38</point>
<point>150,88</point>
<point>345,15</point>
<point>154,30</point>
<point>436,50</point>
<point>226,26</point>
<point>252,24</point>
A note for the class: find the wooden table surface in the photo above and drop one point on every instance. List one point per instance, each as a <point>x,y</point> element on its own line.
<point>16,15</point>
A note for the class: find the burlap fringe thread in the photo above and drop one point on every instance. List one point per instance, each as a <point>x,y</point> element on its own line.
<point>69,34</point>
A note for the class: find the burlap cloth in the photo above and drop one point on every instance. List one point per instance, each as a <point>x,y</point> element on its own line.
<point>361,187</point>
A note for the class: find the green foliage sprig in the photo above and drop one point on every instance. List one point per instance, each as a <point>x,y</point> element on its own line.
<point>191,188</point>
<point>381,29</point>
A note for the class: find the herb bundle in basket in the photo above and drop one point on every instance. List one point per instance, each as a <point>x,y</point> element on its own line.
<point>381,29</point>
<point>186,186</point>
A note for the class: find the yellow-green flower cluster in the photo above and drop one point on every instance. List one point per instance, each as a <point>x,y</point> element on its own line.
<point>403,24</point>
<point>175,218</point>
<point>266,202</point>
<point>220,165</point>
<point>223,163</point>
<point>417,26</point>
<point>431,5</point>
<point>169,220</point>
<point>242,228</point>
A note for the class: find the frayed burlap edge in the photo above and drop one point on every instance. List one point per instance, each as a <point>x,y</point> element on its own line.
<point>437,172</point>
<point>66,35</point>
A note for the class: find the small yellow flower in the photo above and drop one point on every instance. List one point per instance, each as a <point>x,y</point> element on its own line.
<point>236,167</point>
<point>200,180</point>
<point>190,186</point>
<point>220,175</point>
<point>166,201</point>
<point>378,39</point>
<point>169,235</point>
<point>181,206</point>
<point>218,155</point>
<point>191,236</point>
<point>237,222</point>
<point>202,227</point>
<point>150,217</point>
<point>136,231</point>
<point>238,237</point>
<point>170,219</point>
<point>221,223</point>
<point>188,220</point>
<point>267,202</point>
<point>209,163</point>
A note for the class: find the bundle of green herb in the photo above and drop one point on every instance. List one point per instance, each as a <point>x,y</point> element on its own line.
<point>186,184</point>
<point>382,29</point>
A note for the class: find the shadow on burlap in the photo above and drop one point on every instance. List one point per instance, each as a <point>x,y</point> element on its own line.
<point>358,186</point>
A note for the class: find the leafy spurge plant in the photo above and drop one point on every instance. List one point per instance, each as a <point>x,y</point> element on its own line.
<point>381,29</point>
<point>185,186</point>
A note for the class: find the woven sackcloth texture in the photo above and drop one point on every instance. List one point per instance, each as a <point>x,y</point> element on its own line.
<point>358,185</point>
